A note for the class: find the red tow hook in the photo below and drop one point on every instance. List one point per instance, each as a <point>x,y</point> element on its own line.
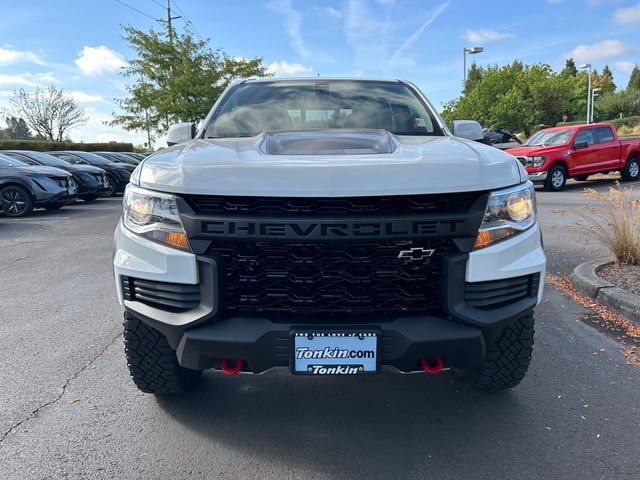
<point>432,369</point>
<point>230,370</point>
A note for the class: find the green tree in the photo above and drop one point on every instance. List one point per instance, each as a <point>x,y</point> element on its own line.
<point>516,96</point>
<point>604,81</point>
<point>634,80</point>
<point>16,129</point>
<point>473,77</point>
<point>624,103</point>
<point>175,78</point>
<point>570,68</point>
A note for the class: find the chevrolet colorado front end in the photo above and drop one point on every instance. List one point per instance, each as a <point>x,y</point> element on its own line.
<point>328,226</point>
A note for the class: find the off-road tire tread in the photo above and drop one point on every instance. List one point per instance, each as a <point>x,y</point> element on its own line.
<point>152,363</point>
<point>508,356</point>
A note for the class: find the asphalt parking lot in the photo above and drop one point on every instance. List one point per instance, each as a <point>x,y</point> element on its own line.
<point>69,410</point>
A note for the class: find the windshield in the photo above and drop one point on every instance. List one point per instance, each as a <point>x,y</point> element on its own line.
<point>49,160</point>
<point>553,137</point>
<point>6,161</point>
<point>93,158</point>
<point>253,108</point>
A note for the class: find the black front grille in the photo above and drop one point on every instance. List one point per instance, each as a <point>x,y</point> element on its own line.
<point>498,293</point>
<point>328,278</point>
<point>175,297</point>
<point>433,203</point>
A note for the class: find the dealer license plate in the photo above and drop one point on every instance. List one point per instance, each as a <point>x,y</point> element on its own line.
<point>334,352</point>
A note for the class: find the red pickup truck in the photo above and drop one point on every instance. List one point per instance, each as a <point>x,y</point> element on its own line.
<point>555,154</point>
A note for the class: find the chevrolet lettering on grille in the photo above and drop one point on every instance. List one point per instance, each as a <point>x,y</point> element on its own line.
<point>321,230</point>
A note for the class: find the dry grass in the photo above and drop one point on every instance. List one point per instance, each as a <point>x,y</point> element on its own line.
<point>635,130</point>
<point>616,224</point>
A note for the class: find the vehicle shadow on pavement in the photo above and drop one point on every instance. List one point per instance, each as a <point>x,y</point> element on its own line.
<point>386,426</point>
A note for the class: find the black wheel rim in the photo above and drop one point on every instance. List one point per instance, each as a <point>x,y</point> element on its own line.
<point>14,202</point>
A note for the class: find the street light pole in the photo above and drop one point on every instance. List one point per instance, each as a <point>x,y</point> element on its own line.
<point>588,65</point>
<point>594,93</point>
<point>470,51</point>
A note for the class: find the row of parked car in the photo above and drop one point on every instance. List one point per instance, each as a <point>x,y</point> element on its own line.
<point>50,180</point>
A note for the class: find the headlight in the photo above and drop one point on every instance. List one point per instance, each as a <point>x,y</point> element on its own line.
<point>154,215</point>
<point>536,161</point>
<point>508,212</point>
<point>45,184</point>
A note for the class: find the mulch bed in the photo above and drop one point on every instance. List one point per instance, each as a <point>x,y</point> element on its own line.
<point>626,277</point>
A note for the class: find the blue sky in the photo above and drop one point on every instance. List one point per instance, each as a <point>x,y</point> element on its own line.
<point>77,45</point>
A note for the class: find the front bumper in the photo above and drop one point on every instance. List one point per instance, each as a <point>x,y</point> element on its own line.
<point>537,176</point>
<point>61,197</point>
<point>264,344</point>
<point>201,337</point>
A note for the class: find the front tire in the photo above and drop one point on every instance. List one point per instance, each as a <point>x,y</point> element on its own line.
<point>152,363</point>
<point>556,178</point>
<point>15,201</point>
<point>112,190</point>
<point>508,356</point>
<point>631,170</point>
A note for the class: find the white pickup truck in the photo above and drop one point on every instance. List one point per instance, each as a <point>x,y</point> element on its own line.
<point>328,226</point>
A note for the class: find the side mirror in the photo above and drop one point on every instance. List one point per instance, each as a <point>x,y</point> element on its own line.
<point>469,129</point>
<point>181,132</point>
<point>581,144</point>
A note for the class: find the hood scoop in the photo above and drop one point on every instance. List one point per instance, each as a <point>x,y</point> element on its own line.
<point>328,142</point>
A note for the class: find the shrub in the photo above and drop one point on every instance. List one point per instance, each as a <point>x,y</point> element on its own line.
<point>632,121</point>
<point>44,146</point>
<point>617,224</point>
<point>625,122</point>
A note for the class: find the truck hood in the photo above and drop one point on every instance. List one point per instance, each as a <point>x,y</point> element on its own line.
<point>531,151</point>
<point>239,166</point>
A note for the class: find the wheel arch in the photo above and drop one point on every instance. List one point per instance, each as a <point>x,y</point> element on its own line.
<point>562,162</point>
<point>9,182</point>
<point>635,153</point>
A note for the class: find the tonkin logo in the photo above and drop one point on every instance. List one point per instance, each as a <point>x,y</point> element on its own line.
<point>416,254</point>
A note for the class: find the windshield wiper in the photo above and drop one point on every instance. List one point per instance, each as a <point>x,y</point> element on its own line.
<point>237,135</point>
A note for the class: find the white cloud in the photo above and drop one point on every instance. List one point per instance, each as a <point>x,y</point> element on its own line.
<point>485,36</point>
<point>596,51</point>
<point>27,79</point>
<point>626,67</point>
<point>628,16</point>
<point>83,97</point>
<point>293,25</point>
<point>283,68</point>
<point>99,60</point>
<point>328,11</point>
<point>8,56</point>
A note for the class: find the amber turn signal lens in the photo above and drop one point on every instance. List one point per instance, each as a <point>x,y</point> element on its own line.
<point>489,237</point>
<point>177,240</point>
<point>173,239</point>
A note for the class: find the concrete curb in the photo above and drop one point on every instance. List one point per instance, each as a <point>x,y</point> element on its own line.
<point>585,280</point>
